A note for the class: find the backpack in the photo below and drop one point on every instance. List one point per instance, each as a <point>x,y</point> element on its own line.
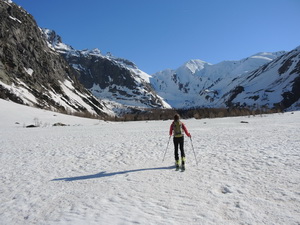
<point>177,128</point>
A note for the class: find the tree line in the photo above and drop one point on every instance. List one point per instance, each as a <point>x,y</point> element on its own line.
<point>197,113</point>
<point>138,114</point>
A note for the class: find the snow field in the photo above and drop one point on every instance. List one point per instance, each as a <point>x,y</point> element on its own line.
<point>112,173</point>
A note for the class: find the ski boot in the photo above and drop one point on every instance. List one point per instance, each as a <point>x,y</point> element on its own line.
<point>183,164</point>
<point>177,165</point>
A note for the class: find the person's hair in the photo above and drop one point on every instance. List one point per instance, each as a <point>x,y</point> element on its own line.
<point>176,117</point>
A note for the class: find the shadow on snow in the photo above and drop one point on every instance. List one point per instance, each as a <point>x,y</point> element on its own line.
<point>104,174</point>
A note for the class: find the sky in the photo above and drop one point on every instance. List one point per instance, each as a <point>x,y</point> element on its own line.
<point>164,34</point>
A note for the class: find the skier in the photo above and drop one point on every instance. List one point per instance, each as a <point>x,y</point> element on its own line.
<point>178,139</point>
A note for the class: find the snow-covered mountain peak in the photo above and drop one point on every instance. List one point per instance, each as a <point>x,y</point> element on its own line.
<point>192,66</point>
<point>54,41</point>
<point>185,74</point>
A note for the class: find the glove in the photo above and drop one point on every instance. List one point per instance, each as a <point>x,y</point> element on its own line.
<point>189,135</point>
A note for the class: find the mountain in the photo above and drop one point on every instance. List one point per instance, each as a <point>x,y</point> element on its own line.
<point>264,79</point>
<point>275,84</point>
<point>194,84</point>
<point>181,87</point>
<point>31,73</point>
<point>108,77</point>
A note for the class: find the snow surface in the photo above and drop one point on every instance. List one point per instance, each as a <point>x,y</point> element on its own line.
<point>96,172</point>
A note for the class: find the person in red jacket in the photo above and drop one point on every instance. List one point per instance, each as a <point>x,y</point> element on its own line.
<point>177,128</point>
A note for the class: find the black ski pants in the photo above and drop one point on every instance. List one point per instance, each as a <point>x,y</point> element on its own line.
<point>178,142</point>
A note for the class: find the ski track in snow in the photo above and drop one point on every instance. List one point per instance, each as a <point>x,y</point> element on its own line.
<point>112,173</point>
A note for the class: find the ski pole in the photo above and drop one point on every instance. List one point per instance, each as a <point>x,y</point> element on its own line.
<point>194,151</point>
<point>166,149</point>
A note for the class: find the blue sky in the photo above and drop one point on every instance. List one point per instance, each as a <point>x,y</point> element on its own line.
<point>161,34</point>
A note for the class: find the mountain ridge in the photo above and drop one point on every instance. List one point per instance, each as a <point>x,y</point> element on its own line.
<point>107,77</point>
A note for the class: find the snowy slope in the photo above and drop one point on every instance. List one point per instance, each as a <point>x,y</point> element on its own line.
<point>112,173</point>
<point>276,83</point>
<point>73,103</point>
<point>14,115</point>
<point>194,83</point>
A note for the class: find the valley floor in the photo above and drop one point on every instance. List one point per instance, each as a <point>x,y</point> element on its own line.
<point>95,172</point>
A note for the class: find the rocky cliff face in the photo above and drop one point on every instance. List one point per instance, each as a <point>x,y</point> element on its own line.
<point>32,73</point>
<point>108,77</point>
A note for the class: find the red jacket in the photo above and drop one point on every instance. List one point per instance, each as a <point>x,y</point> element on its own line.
<point>183,127</point>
